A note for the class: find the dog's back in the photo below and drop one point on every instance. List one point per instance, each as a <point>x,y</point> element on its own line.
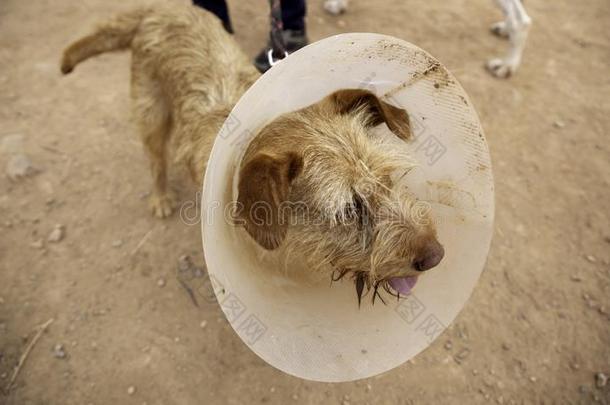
<point>186,75</point>
<point>184,47</point>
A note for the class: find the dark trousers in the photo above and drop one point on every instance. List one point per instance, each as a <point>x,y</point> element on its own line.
<point>293,12</point>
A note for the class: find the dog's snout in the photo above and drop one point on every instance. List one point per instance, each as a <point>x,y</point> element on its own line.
<point>430,256</point>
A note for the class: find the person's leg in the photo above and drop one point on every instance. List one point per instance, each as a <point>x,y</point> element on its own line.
<point>293,14</point>
<point>219,8</point>
<point>294,31</point>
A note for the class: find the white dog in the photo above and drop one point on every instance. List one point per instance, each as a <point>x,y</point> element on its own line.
<point>515,28</point>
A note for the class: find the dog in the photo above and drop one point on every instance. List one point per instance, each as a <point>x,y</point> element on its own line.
<point>515,28</point>
<point>186,75</point>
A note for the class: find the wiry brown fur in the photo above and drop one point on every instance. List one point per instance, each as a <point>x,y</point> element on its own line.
<point>324,180</point>
<point>328,186</point>
<point>187,73</point>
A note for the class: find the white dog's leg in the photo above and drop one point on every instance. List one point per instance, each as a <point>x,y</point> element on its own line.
<point>335,6</point>
<point>515,27</point>
<point>500,29</point>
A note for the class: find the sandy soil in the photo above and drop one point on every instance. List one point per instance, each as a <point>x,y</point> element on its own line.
<point>536,329</point>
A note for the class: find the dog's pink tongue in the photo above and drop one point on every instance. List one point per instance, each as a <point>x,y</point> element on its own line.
<point>403,285</point>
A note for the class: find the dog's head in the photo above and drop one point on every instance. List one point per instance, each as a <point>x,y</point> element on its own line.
<point>320,181</point>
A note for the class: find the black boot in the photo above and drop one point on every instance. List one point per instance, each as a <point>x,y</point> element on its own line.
<point>293,39</point>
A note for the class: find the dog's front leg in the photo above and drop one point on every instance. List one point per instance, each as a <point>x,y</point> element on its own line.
<point>515,27</point>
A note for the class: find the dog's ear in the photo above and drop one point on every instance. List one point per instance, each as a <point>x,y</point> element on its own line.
<point>349,100</point>
<point>264,184</point>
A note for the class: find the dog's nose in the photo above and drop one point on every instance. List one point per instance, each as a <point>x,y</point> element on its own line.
<point>430,256</point>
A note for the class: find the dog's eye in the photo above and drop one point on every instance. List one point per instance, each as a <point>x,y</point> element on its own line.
<point>350,212</point>
<point>355,210</point>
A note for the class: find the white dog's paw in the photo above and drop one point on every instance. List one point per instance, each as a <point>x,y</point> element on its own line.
<point>500,29</point>
<point>335,7</point>
<point>501,68</point>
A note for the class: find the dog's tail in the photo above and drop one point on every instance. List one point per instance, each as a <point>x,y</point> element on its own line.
<point>113,35</point>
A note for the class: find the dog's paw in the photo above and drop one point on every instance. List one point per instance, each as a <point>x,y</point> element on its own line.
<point>162,206</point>
<point>500,29</point>
<point>335,7</point>
<point>500,68</point>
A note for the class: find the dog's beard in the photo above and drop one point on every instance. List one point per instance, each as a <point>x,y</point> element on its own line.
<point>340,238</point>
<point>347,255</point>
<point>394,286</point>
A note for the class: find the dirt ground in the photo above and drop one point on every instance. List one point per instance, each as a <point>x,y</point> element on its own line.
<point>536,330</point>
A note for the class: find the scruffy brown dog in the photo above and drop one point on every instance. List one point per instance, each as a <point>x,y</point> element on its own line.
<point>187,73</point>
<point>317,181</point>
